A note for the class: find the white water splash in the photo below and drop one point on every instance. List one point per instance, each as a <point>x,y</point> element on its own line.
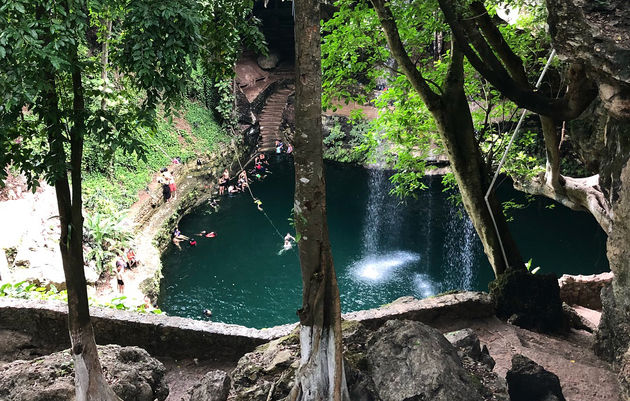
<point>423,286</point>
<point>381,268</point>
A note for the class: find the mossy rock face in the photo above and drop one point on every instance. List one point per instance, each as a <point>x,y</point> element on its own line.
<point>530,301</point>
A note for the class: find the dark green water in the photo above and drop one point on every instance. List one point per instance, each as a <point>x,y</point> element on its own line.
<point>382,249</point>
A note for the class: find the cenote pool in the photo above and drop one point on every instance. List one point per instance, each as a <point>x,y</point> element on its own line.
<point>382,249</point>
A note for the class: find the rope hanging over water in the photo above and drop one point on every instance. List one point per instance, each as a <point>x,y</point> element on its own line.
<point>250,189</point>
<point>507,149</point>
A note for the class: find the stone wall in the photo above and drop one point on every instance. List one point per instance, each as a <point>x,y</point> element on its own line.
<point>161,335</point>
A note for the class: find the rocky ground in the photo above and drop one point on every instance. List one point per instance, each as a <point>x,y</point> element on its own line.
<point>380,364</point>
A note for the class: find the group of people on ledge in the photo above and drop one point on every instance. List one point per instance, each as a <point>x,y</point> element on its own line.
<point>167,181</point>
<point>280,148</point>
<point>230,186</point>
<point>126,260</point>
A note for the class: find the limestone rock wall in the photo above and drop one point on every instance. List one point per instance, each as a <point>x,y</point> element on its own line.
<point>597,34</point>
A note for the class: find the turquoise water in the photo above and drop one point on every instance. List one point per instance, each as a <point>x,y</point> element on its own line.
<point>382,249</point>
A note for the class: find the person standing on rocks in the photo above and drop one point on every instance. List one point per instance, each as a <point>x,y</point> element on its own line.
<point>120,281</point>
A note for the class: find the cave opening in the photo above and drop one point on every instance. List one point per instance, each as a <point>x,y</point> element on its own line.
<point>277,26</point>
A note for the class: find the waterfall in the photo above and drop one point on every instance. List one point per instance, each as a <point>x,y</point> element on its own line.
<point>382,220</point>
<point>459,250</point>
<point>428,225</point>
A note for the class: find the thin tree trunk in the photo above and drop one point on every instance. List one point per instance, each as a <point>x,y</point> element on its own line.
<point>320,375</point>
<point>552,150</point>
<point>88,376</point>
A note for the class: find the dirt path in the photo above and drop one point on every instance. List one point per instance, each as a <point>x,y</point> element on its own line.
<point>583,376</point>
<point>183,374</point>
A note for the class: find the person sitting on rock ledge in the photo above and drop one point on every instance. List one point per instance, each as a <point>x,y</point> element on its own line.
<point>131,258</point>
<point>178,237</point>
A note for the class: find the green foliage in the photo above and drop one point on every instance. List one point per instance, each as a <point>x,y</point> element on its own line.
<point>356,61</point>
<point>529,268</point>
<point>343,147</point>
<point>449,184</point>
<point>230,26</point>
<point>47,61</point>
<point>113,185</point>
<point>105,235</point>
<point>27,290</point>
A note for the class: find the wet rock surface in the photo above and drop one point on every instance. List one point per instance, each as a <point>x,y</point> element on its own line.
<point>132,373</point>
<point>528,381</point>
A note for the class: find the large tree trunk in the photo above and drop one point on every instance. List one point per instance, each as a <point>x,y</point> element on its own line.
<point>89,381</point>
<point>457,132</point>
<point>321,374</point>
<point>452,114</point>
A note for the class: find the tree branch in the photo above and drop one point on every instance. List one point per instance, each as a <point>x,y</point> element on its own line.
<point>569,107</point>
<point>575,193</point>
<point>512,62</point>
<point>430,98</point>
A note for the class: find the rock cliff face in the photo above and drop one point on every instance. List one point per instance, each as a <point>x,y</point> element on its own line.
<point>597,34</point>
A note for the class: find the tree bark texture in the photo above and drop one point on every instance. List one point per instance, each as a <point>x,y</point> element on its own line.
<point>89,381</point>
<point>321,374</point>
<point>452,115</point>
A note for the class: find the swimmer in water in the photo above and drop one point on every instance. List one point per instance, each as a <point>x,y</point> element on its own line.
<point>287,244</point>
<point>207,313</point>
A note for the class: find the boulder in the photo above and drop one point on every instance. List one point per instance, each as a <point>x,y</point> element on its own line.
<point>624,375</point>
<point>268,62</point>
<point>576,321</point>
<point>135,375</point>
<point>411,361</point>
<point>467,343</point>
<point>584,290</point>
<point>530,301</point>
<point>528,381</point>
<point>613,333</point>
<point>215,386</point>
<point>268,371</point>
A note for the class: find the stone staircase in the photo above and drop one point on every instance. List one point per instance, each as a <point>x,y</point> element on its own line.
<point>270,119</point>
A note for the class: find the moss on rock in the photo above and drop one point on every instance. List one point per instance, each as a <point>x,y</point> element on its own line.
<point>530,301</point>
